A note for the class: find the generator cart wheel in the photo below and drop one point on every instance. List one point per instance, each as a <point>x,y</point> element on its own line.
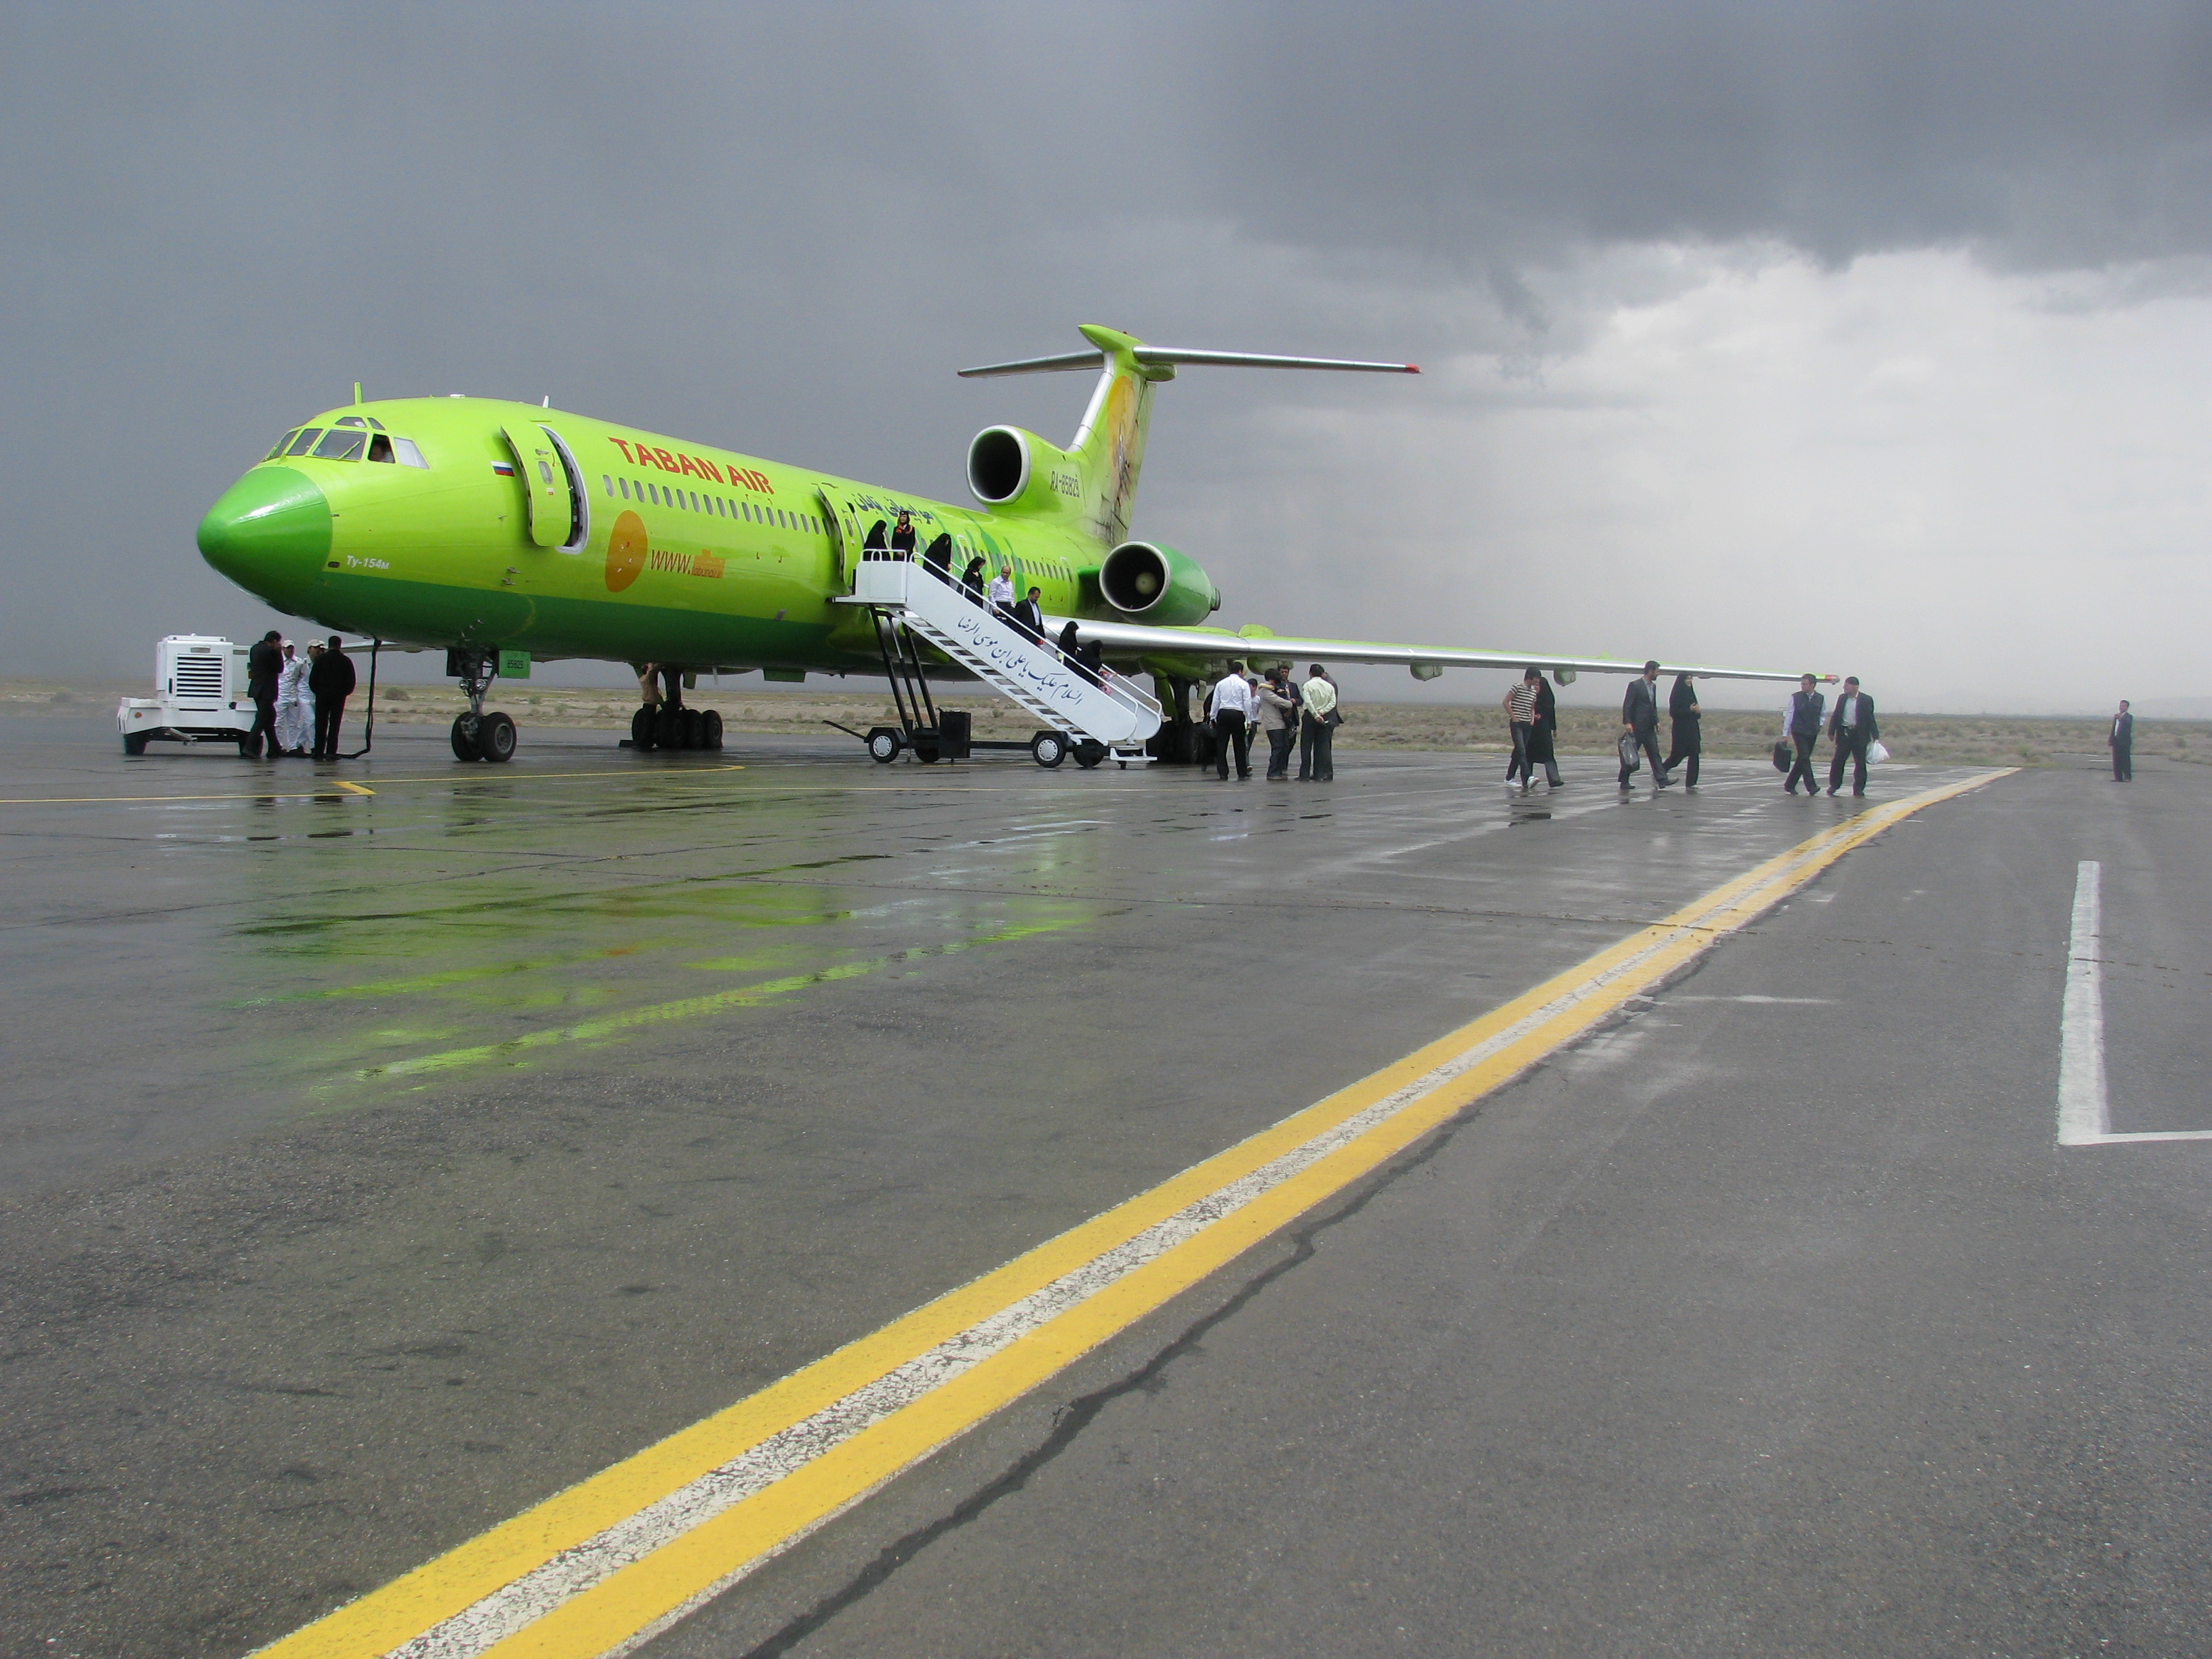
<point>1088,751</point>
<point>883,745</point>
<point>711,729</point>
<point>464,739</point>
<point>640,729</point>
<point>496,737</point>
<point>1048,749</point>
<point>136,745</point>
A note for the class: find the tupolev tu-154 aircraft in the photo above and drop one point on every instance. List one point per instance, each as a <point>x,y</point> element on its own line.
<point>487,527</point>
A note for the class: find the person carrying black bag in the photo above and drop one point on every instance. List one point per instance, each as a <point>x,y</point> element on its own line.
<point>1801,724</point>
<point>331,681</point>
<point>264,665</point>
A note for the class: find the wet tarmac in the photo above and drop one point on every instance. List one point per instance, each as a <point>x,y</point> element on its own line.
<point>377,1163</point>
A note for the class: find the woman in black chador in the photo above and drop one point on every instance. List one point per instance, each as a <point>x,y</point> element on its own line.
<point>1682,709</point>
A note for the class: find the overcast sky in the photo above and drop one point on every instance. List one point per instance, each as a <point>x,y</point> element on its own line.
<point>1871,338</point>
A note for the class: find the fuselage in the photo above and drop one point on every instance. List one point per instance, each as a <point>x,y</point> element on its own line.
<point>474,523</point>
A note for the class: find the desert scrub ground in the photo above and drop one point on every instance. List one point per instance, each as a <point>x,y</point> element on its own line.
<point>1969,740</point>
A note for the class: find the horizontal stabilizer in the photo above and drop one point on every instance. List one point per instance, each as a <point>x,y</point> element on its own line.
<point>1168,356</point>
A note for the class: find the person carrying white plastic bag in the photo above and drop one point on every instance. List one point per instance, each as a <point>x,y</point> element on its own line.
<point>1851,725</point>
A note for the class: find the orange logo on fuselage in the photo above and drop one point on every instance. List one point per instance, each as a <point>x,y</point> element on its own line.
<point>626,552</point>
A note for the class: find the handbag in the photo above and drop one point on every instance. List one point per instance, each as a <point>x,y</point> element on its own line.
<point>1782,756</point>
<point>1630,760</point>
<point>1875,753</point>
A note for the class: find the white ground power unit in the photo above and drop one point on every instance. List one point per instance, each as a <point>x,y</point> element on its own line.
<point>199,696</point>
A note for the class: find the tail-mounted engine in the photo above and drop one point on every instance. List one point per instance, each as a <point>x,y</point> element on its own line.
<point>1143,578</point>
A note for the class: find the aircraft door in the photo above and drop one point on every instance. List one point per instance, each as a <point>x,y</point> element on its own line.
<point>844,536</point>
<point>550,507</point>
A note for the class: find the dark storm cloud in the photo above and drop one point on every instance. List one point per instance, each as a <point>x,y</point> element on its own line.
<point>780,230</point>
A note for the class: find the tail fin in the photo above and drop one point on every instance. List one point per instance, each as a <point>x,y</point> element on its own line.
<point>1108,448</point>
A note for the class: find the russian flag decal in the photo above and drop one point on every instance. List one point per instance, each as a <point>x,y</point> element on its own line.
<point>505,469</point>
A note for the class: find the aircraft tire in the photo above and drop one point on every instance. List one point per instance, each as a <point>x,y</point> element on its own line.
<point>1048,749</point>
<point>1088,751</point>
<point>668,730</point>
<point>695,728</point>
<point>464,739</point>
<point>138,746</point>
<point>711,729</point>
<point>640,729</point>
<point>496,737</point>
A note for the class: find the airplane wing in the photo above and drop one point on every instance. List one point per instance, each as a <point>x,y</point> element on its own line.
<point>1199,647</point>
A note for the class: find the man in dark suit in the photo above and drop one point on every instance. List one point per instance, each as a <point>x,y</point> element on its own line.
<point>1852,728</point>
<point>331,681</point>
<point>264,663</point>
<point>1639,720</point>
<point>1029,614</point>
<point>2123,740</point>
<point>1801,724</point>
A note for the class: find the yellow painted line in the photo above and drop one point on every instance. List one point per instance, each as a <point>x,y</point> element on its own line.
<point>321,792</point>
<point>623,1553</point>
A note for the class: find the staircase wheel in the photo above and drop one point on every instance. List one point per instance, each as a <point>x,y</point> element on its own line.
<point>695,728</point>
<point>640,729</point>
<point>711,729</point>
<point>883,745</point>
<point>1048,749</point>
<point>1088,751</point>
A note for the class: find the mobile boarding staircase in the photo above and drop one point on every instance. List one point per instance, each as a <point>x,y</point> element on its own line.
<point>1088,714</point>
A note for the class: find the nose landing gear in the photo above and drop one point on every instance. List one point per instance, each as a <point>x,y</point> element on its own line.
<point>478,736</point>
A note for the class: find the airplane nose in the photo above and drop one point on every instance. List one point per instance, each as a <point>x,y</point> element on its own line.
<point>270,533</point>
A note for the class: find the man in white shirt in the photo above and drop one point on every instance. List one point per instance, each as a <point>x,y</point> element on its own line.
<point>1230,708</point>
<point>1318,726</point>
<point>1000,595</point>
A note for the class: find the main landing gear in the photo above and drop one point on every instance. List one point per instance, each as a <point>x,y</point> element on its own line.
<point>478,736</point>
<point>670,723</point>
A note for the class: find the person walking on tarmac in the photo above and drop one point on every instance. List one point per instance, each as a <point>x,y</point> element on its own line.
<point>1684,717</point>
<point>264,666</point>
<point>1639,725</point>
<point>2123,742</point>
<point>331,680</point>
<point>1318,718</point>
<point>296,708</point>
<point>1543,738</point>
<point>1521,722</point>
<point>1230,708</point>
<point>1852,728</point>
<point>1801,724</point>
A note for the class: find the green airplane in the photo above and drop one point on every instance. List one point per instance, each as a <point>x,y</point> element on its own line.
<point>498,530</point>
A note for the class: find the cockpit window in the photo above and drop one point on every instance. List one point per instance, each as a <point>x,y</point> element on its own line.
<point>279,447</point>
<point>372,423</point>
<point>404,452</point>
<point>305,440</point>
<point>348,420</point>
<point>379,447</point>
<point>340,444</point>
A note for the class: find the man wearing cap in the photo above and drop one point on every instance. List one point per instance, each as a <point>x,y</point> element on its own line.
<point>1852,728</point>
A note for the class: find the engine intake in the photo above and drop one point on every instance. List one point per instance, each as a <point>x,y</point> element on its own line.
<point>998,464</point>
<point>1143,578</point>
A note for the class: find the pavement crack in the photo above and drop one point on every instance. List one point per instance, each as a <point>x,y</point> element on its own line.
<point>1070,1420</point>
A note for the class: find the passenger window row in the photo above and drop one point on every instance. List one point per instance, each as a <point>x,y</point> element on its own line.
<point>720,506</point>
<point>348,441</point>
